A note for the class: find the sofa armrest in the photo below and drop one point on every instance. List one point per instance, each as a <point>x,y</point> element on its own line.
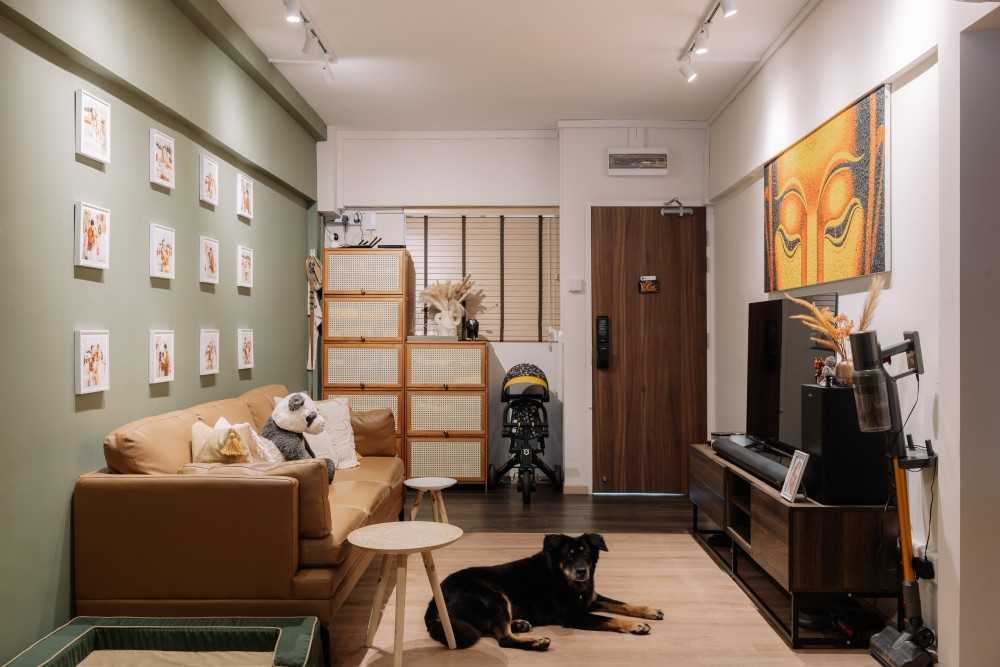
<point>184,536</point>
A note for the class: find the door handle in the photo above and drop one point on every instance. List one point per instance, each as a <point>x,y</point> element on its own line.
<point>602,341</point>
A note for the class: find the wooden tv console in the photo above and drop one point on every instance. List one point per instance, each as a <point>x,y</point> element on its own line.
<point>785,555</point>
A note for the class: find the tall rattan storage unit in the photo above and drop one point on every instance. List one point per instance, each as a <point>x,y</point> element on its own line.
<point>364,329</point>
<point>446,421</point>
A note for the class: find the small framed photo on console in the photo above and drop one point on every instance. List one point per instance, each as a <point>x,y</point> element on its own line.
<point>793,479</point>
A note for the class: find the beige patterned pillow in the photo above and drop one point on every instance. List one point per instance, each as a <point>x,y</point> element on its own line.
<point>221,445</point>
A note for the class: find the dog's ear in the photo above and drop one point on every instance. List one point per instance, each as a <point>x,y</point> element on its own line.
<point>553,542</point>
<point>596,540</point>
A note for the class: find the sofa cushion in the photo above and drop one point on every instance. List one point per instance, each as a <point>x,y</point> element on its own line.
<point>260,402</point>
<point>363,495</point>
<point>235,411</point>
<point>314,503</point>
<point>385,469</point>
<point>332,549</point>
<point>160,444</point>
<point>374,432</point>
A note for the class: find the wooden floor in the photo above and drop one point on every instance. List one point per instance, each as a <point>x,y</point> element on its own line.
<point>709,621</point>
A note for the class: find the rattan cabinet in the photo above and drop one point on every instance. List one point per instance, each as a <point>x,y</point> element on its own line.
<point>364,329</point>
<point>447,423</point>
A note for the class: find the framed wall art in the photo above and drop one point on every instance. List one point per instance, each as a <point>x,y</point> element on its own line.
<point>162,159</point>
<point>208,260</point>
<point>244,266</point>
<point>826,211</point>
<point>244,349</point>
<point>208,179</point>
<point>93,360</point>
<point>93,127</point>
<point>244,196</point>
<point>162,251</point>
<point>161,356</point>
<point>208,352</point>
<point>93,235</point>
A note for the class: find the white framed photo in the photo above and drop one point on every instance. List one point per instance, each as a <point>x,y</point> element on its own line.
<point>208,179</point>
<point>93,236</point>
<point>208,352</point>
<point>162,159</point>
<point>208,260</point>
<point>161,356</point>
<point>93,360</point>
<point>162,251</point>
<point>244,266</point>
<point>93,127</point>
<point>790,489</point>
<point>244,348</point>
<point>244,196</point>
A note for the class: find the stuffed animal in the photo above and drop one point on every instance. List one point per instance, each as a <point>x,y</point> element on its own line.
<point>293,416</point>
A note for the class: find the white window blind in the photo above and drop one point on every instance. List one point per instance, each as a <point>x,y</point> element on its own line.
<point>514,259</point>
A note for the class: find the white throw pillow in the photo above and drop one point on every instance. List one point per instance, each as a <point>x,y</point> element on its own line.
<point>261,449</point>
<point>208,444</point>
<point>336,441</point>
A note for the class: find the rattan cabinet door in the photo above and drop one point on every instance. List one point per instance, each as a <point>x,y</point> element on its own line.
<point>363,365</point>
<point>461,458</point>
<point>446,365</point>
<point>362,401</point>
<point>365,271</point>
<point>446,413</point>
<point>364,319</point>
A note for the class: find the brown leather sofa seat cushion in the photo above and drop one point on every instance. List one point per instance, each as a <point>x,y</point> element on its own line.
<point>366,496</point>
<point>385,469</point>
<point>332,549</point>
<point>374,432</point>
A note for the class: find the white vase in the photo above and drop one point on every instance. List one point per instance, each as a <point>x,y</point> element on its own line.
<point>445,325</point>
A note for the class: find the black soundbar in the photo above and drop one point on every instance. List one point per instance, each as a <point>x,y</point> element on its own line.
<point>740,451</point>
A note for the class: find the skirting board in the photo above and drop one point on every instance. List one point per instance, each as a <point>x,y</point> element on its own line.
<point>576,490</point>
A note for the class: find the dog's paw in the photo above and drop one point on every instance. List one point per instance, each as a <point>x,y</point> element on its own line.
<point>541,644</point>
<point>520,625</point>
<point>639,629</point>
<point>656,615</point>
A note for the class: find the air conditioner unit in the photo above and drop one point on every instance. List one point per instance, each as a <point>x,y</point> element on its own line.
<point>637,161</point>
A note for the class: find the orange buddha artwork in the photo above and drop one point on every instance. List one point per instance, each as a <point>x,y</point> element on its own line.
<point>825,201</point>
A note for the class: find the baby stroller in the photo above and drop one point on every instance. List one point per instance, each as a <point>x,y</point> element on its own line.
<point>526,423</point>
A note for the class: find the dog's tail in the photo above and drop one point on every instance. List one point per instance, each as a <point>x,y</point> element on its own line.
<point>466,634</point>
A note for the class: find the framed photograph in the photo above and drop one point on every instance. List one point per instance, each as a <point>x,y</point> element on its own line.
<point>162,249</point>
<point>208,260</point>
<point>244,196</point>
<point>161,356</point>
<point>93,127</point>
<point>93,236</point>
<point>244,266</point>
<point>161,159</point>
<point>793,479</point>
<point>244,348</point>
<point>93,360</point>
<point>208,352</point>
<point>208,179</point>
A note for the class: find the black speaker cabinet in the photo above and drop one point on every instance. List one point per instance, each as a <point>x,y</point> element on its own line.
<point>846,466</point>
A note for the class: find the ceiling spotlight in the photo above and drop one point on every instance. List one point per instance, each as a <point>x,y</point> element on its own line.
<point>729,8</point>
<point>687,71</point>
<point>311,46</point>
<point>293,11</point>
<point>328,71</point>
<point>701,41</point>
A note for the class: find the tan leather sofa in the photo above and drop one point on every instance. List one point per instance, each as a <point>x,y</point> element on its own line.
<point>155,535</point>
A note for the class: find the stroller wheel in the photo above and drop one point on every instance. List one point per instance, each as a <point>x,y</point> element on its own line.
<point>527,483</point>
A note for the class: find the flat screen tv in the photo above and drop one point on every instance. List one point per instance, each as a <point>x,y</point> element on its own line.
<point>779,361</point>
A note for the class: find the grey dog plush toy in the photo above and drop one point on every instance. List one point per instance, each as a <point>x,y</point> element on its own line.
<point>294,415</point>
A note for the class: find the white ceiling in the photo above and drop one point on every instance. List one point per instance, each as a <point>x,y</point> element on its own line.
<point>512,64</point>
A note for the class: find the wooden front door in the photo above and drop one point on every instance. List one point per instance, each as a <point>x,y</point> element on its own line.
<point>650,400</point>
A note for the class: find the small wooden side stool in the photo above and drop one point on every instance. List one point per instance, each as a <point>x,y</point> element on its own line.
<point>396,540</point>
<point>434,486</point>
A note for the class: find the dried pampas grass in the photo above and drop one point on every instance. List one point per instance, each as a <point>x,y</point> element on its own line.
<point>833,329</point>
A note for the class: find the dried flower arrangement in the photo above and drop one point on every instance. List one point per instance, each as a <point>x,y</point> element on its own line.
<point>450,300</point>
<point>833,330</point>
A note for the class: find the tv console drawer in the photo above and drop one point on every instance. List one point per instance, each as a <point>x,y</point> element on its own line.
<point>706,487</point>
<point>769,522</point>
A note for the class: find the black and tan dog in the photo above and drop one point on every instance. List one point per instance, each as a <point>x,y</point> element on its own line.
<point>553,587</point>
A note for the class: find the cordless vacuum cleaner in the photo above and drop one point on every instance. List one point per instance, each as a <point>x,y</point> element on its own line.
<point>877,399</point>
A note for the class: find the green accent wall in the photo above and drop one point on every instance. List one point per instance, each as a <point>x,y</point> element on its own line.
<point>48,436</point>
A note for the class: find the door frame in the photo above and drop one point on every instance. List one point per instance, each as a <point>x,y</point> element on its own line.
<point>709,311</point>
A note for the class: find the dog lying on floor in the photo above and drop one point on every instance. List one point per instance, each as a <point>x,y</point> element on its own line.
<point>553,587</point>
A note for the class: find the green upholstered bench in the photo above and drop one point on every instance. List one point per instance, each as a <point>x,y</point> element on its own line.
<point>102,642</point>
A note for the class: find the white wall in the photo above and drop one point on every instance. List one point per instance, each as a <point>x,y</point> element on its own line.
<point>447,168</point>
<point>584,182</point>
<point>815,74</point>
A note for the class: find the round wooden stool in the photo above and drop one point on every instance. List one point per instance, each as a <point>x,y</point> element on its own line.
<point>396,541</point>
<point>434,486</point>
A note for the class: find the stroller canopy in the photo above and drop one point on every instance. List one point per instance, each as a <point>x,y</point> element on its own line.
<point>527,381</point>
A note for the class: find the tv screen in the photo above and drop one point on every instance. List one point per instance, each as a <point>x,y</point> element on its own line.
<point>779,361</point>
